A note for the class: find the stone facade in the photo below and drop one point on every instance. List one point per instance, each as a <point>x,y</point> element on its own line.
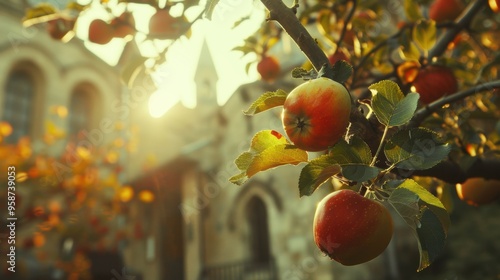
<point>200,226</point>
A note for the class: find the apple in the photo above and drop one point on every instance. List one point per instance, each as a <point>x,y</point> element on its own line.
<point>124,25</point>
<point>268,68</point>
<point>340,54</point>
<point>494,5</point>
<point>100,32</point>
<point>350,228</point>
<point>60,28</point>
<point>434,82</point>
<point>478,191</point>
<point>445,10</point>
<point>164,26</point>
<point>316,114</point>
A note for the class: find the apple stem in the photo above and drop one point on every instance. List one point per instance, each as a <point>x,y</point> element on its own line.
<point>374,160</point>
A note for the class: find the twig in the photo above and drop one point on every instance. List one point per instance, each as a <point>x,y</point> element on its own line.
<point>423,113</point>
<point>461,23</point>
<point>287,19</point>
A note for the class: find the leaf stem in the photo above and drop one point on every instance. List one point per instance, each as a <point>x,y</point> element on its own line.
<point>380,145</point>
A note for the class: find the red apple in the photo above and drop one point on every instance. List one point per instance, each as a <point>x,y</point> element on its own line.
<point>445,10</point>
<point>478,191</point>
<point>350,228</point>
<point>163,26</point>
<point>60,28</point>
<point>100,32</point>
<point>340,54</point>
<point>268,68</point>
<point>434,82</point>
<point>316,114</point>
<point>124,25</point>
<point>494,5</point>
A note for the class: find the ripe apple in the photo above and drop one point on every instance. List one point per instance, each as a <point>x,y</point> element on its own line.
<point>164,26</point>
<point>124,25</point>
<point>60,28</point>
<point>268,68</point>
<point>445,10</point>
<point>350,228</point>
<point>316,114</point>
<point>338,55</point>
<point>434,82</point>
<point>100,32</point>
<point>494,5</point>
<point>478,191</point>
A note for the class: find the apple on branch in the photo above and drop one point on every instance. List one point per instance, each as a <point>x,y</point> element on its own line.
<point>434,82</point>
<point>350,228</point>
<point>268,68</point>
<point>316,114</point>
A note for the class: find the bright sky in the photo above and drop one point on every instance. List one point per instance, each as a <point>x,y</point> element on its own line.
<point>176,76</point>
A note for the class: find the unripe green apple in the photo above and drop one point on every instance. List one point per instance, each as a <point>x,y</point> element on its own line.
<point>434,82</point>
<point>478,191</point>
<point>445,10</point>
<point>268,68</point>
<point>316,114</point>
<point>350,228</point>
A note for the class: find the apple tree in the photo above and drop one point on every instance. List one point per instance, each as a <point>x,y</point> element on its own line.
<point>396,94</point>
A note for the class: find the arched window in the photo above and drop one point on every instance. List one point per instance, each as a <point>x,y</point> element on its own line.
<point>18,104</point>
<point>82,109</point>
<point>256,213</point>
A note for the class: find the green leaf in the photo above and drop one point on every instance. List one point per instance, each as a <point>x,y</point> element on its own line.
<point>405,109</point>
<point>359,172</point>
<point>268,149</point>
<point>389,104</point>
<point>315,173</point>
<point>430,201</point>
<point>275,156</point>
<point>210,7</point>
<point>357,151</point>
<point>431,238</point>
<point>424,34</point>
<point>409,52</point>
<point>415,149</point>
<point>412,10</point>
<point>405,202</point>
<point>426,215</point>
<point>352,158</point>
<point>243,19</point>
<point>342,70</point>
<point>301,73</point>
<point>267,101</point>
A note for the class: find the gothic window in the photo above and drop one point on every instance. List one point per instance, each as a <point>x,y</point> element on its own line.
<point>259,230</point>
<point>82,109</point>
<point>18,104</point>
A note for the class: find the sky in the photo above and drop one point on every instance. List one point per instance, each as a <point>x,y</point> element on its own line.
<point>177,75</point>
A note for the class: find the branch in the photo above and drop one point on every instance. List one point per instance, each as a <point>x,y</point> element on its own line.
<point>346,23</point>
<point>452,173</point>
<point>461,23</point>
<point>287,19</point>
<point>423,113</point>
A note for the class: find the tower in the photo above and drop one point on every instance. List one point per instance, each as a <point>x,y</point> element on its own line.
<point>206,80</point>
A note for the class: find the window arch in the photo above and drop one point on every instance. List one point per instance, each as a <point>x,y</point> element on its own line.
<point>82,109</point>
<point>18,104</point>
<point>256,214</point>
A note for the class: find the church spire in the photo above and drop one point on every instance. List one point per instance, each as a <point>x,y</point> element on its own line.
<point>206,78</point>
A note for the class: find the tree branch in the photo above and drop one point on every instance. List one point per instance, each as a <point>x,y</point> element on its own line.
<point>461,23</point>
<point>287,19</point>
<point>452,173</point>
<point>423,113</point>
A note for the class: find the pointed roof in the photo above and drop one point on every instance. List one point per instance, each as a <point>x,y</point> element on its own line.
<point>205,64</point>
